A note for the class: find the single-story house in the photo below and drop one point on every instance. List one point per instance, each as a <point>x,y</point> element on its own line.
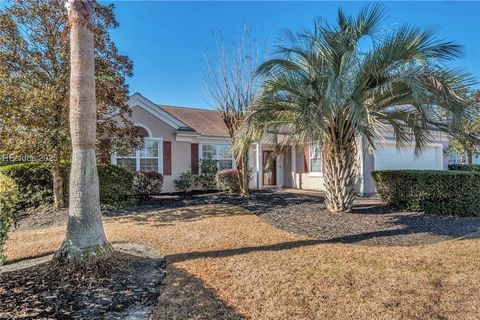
<point>176,138</point>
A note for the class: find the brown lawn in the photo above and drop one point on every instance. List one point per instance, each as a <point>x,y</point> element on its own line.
<point>260,272</point>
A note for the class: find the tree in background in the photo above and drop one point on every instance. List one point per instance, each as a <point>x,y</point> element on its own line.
<point>34,73</point>
<point>324,87</point>
<point>85,234</point>
<point>466,132</point>
<point>232,86</point>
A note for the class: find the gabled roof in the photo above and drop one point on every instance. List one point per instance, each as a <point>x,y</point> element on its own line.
<point>199,121</point>
<point>203,121</point>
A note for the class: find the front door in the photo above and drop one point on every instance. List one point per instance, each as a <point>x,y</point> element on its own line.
<point>269,168</point>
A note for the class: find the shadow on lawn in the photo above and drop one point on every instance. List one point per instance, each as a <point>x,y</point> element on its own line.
<point>306,214</point>
<point>168,217</point>
<point>258,202</point>
<point>349,239</point>
<point>186,297</point>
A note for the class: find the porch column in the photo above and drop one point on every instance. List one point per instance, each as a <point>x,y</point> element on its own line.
<point>259,167</point>
<point>279,171</point>
<point>294,166</point>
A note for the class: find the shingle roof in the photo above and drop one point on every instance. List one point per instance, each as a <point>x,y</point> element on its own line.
<point>203,121</point>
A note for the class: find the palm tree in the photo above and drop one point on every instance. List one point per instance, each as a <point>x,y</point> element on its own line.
<point>85,235</point>
<point>339,82</point>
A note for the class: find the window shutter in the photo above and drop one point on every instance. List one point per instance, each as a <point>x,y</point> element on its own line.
<point>307,158</point>
<point>194,158</point>
<point>167,158</point>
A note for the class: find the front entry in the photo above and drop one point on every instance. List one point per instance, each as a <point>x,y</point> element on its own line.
<point>269,168</point>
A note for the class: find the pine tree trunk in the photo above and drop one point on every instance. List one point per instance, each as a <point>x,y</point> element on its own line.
<point>340,171</point>
<point>58,199</point>
<point>85,236</point>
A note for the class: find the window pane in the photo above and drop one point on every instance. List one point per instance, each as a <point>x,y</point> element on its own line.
<point>315,158</point>
<point>208,151</point>
<point>316,165</point>
<point>150,149</point>
<point>128,163</point>
<point>127,153</point>
<point>225,164</point>
<point>149,164</point>
<point>224,151</point>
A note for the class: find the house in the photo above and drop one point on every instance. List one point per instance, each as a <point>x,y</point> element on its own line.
<point>176,138</point>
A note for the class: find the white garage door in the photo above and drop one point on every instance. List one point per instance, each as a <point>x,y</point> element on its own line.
<point>387,156</point>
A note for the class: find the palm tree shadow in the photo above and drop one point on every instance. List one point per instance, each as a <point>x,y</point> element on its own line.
<point>258,202</point>
<point>186,297</point>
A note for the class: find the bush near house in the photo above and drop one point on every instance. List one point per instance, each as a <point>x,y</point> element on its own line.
<point>147,183</point>
<point>184,182</point>
<point>208,171</point>
<point>35,188</point>
<point>34,183</point>
<point>464,167</point>
<point>227,180</point>
<point>438,192</point>
<point>8,198</point>
<point>116,186</point>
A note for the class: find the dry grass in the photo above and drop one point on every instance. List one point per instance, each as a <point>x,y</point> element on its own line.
<point>265,273</point>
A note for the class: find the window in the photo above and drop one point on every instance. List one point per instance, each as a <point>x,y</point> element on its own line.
<point>127,160</point>
<point>315,158</point>
<point>218,152</point>
<point>454,158</point>
<point>149,156</point>
<point>145,159</point>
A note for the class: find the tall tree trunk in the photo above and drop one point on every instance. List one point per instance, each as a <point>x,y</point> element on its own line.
<point>58,198</point>
<point>340,170</point>
<point>85,236</point>
<point>469,156</point>
<point>243,174</point>
<point>463,157</point>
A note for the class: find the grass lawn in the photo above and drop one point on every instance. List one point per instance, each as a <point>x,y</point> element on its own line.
<point>225,262</point>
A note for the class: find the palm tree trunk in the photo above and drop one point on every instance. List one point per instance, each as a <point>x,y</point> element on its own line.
<point>85,236</point>
<point>340,170</point>
<point>243,174</point>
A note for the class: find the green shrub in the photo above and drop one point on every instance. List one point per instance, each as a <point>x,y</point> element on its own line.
<point>208,171</point>
<point>184,182</point>
<point>439,192</point>
<point>8,198</point>
<point>116,186</point>
<point>35,187</point>
<point>464,167</point>
<point>147,183</point>
<point>34,183</point>
<point>227,180</point>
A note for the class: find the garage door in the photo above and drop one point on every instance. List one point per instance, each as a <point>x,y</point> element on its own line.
<point>387,156</point>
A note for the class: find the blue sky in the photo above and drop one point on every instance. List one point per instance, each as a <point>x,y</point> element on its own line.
<point>167,40</point>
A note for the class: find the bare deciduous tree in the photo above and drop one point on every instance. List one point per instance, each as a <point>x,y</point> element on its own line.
<point>232,86</point>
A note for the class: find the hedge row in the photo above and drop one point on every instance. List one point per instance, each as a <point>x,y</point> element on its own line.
<point>464,167</point>
<point>35,187</point>
<point>438,192</point>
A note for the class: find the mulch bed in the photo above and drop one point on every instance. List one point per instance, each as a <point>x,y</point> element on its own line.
<point>120,286</point>
<point>370,222</point>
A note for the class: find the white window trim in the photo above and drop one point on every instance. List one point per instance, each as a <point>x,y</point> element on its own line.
<point>137,155</point>
<point>316,173</point>
<point>200,153</point>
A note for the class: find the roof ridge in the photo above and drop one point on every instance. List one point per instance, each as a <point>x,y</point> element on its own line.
<point>191,108</point>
